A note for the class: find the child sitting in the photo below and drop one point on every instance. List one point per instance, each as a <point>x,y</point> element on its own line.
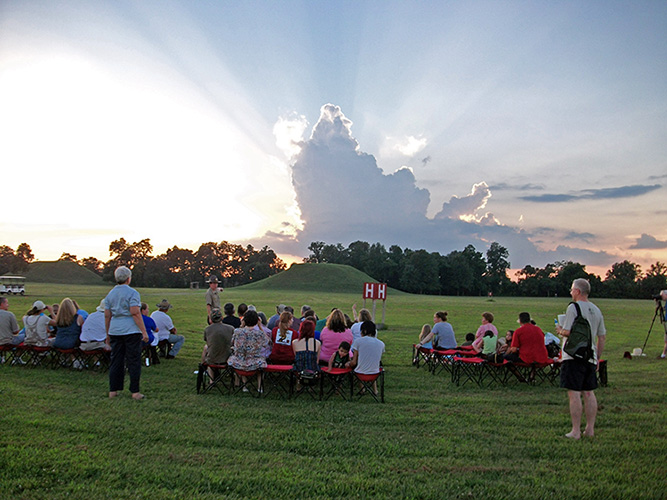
<point>341,357</point>
<point>470,338</point>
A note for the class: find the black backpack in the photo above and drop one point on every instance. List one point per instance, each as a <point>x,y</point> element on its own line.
<point>579,344</point>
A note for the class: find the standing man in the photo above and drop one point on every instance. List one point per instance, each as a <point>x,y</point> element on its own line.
<point>212,297</point>
<point>166,330</point>
<point>9,327</point>
<point>663,296</point>
<point>578,376</point>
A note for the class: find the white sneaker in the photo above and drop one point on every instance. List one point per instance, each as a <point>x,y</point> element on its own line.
<point>245,389</point>
<point>77,365</point>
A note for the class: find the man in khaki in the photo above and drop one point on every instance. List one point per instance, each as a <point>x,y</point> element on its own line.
<point>212,296</point>
<point>577,376</point>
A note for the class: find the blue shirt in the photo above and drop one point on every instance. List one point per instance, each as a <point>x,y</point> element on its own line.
<point>443,336</point>
<point>118,301</point>
<point>150,327</point>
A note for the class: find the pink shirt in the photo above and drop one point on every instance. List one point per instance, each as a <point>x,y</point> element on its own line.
<point>331,340</point>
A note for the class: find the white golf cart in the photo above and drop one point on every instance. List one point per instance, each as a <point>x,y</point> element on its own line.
<point>12,285</point>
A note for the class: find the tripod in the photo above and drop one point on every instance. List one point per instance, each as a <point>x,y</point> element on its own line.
<point>660,314</point>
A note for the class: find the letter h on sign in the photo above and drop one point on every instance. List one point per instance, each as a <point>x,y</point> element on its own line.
<point>375,291</point>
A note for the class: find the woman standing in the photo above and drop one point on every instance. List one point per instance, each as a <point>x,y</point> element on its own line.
<point>125,331</point>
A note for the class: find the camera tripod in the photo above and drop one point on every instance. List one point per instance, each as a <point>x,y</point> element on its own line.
<point>660,314</point>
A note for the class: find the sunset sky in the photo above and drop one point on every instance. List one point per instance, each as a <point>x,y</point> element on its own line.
<point>540,125</point>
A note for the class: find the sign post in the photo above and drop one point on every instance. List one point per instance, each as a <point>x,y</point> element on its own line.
<point>376,291</point>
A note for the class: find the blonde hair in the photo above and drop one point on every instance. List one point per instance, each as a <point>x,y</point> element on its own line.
<point>285,321</point>
<point>426,329</point>
<point>336,321</point>
<point>66,313</point>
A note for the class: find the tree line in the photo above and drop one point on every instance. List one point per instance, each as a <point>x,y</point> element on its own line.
<point>233,264</point>
<point>469,272</point>
<point>461,272</point>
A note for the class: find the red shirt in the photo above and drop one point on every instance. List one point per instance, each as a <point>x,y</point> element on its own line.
<point>282,352</point>
<point>530,341</point>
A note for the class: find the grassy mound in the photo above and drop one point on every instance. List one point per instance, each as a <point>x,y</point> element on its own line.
<point>334,278</point>
<point>61,271</point>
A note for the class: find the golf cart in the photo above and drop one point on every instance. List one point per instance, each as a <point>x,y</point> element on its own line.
<point>12,285</point>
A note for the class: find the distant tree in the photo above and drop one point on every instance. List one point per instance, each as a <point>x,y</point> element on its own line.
<point>68,257</point>
<point>496,268</point>
<point>315,255</point>
<point>357,254</point>
<point>654,280</point>
<point>8,260</point>
<point>24,252</point>
<point>622,280</point>
<point>334,254</point>
<point>93,264</point>
<point>420,273</point>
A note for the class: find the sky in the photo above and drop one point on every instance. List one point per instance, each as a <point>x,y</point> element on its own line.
<point>540,125</point>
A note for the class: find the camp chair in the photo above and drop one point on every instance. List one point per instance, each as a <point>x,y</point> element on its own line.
<point>163,347</point>
<point>214,376</point>
<point>442,360</point>
<point>367,384</point>
<point>421,355</point>
<point>7,353</point>
<point>468,370</point>
<point>250,385</point>
<point>31,355</point>
<point>66,358</point>
<point>277,378</point>
<point>337,381</point>
<point>532,373</point>
<point>311,385</point>
<point>95,359</point>
<point>149,355</point>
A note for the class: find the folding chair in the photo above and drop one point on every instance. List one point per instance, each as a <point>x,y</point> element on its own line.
<point>32,355</point>
<point>7,353</point>
<point>250,385</point>
<point>278,379</point>
<point>442,360</point>
<point>421,356</point>
<point>66,358</point>
<point>336,382</point>
<point>367,385</point>
<point>532,373</point>
<point>149,355</point>
<point>212,376</point>
<point>163,347</point>
<point>497,373</point>
<point>468,370</point>
<point>311,386</point>
<point>95,359</point>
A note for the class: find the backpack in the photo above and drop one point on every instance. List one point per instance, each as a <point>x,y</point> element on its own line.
<point>579,344</point>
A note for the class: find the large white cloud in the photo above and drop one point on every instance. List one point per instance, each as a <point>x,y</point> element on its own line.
<point>344,196</point>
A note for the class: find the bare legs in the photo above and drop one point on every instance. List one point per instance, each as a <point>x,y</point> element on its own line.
<point>591,407</point>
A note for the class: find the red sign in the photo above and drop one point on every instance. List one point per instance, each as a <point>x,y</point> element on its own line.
<point>375,291</point>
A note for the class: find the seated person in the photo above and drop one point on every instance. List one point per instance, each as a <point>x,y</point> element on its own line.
<point>367,351</point>
<point>166,330</point>
<point>443,333</point>
<point>282,337</point>
<point>306,348</point>
<point>218,338</point>
<point>487,324</point>
<point>149,323</point>
<point>229,318</point>
<point>93,332</point>
<point>335,332</point>
<point>37,325</point>
<point>9,327</point>
<point>470,339</point>
<point>340,358</point>
<point>486,345</point>
<point>425,337</point>
<point>248,345</point>
<point>527,343</point>
<point>69,325</point>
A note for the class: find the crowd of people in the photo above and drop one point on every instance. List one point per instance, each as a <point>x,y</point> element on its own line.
<point>250,341</point>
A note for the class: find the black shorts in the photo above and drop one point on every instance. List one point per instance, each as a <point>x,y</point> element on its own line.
<point>578,375</point>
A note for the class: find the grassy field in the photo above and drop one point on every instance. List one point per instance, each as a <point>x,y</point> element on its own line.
<point>63,438</point>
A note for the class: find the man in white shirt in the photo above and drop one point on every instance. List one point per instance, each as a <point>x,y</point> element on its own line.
<point>166,329</point>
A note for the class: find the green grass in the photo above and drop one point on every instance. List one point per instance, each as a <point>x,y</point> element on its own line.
<point>63,438</point>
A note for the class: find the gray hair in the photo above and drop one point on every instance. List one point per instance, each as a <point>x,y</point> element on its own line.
<point>582,285</point>
<point>122,274</point>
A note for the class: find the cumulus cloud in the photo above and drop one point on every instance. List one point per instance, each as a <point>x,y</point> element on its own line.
<point>466,208</point>
<point>288,132</point>
<point>344,196</point>
<point>594,194</point>
<point>410,145</point>
<point>648,242</point>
